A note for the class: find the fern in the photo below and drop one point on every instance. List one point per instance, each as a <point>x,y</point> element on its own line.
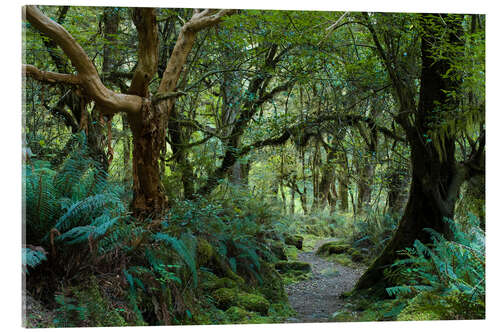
<point>97,229</point>
<point>446,266</point>
<point>182,250</point>
<point>32,258</point>
<point>81,211</point>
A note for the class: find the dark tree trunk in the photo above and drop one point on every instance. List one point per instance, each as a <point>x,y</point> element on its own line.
<point>292,201</point>
<point>435,177</point>
<point>397,194</point>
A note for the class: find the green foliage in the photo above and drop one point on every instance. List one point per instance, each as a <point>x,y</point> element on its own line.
<point>372,233</point>
<point>31,258</point>
<point>86,307</point>
<point>187,255</point>
<point>235,225</point>
<point>450,269</point>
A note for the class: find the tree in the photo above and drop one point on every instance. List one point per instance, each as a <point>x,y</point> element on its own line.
<point>147,116</point>
<point>436,175</point>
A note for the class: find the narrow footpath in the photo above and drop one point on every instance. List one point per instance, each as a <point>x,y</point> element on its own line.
<point>317,298</point>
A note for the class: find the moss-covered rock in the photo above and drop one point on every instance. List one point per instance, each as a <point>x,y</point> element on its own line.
<point>237,314</point>
<point>286,266</point>
<point>254,302</point>
<point>334,247</point>
<point>218,283</point>
<point>207,256</point>
<point>227,297</point>
<point>295,240</point>
<point>291,252</point>
<point>272,287</point>
<point>355,255</point>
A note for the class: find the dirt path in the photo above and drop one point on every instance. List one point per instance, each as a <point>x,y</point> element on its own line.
<point>316,299</point>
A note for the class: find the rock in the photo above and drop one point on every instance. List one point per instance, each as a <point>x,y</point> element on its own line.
<point>355,255</point>
<point>237,314</point>
<point>278,250</point>
<point>334,247</point>
<point>229,297</point>
<point>295,240</point>
<point>254,302</point>
<point>218,283</point>
<point>286,266</point>
<point>272,287</point>
<point>225,297</point>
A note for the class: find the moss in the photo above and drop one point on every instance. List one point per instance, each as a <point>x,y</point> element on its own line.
<point>95,310</point>
<point>204,252</point>
<point>334,247</point>
<point>227,297</point>
<point>286,266</point>
<point>291,252</point>
<point>273,285</point>
<point>207,256</point>
<point>278,250</point>
<point>295,240</point>
<point>294,277</point>
<point>254,302</point>
<point>218,283</point>
<point>237,314</point>
<point>355,255</point>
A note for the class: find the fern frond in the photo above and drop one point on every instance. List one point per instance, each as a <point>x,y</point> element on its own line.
<point>182,250</point>
<point>31,258</point>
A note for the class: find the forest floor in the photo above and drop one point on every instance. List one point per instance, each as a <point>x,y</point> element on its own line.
<point>317,298</point>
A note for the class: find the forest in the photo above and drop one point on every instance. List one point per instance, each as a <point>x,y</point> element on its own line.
<point>218,166</point>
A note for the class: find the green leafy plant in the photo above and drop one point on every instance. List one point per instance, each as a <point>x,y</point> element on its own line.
<point>453,269</point>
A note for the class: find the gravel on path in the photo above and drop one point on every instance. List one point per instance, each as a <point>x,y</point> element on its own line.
<point>317,298</point>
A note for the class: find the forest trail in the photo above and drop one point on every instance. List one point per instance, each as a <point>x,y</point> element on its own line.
<point>317,298</point>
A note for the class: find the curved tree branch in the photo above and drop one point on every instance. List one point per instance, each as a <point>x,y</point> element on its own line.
<point>109,101</point>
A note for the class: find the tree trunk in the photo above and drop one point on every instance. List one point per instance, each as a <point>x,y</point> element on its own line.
<point>436,179</point>
<point>292,201</point>
<point>148,140</point>
<point>327,182</point>
<point>397,194</point>
<point>365,186</point>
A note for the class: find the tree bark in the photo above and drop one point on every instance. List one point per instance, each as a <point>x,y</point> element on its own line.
<point>436,177</point>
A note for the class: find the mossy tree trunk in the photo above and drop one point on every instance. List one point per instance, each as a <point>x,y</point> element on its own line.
<point>436,176</point>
